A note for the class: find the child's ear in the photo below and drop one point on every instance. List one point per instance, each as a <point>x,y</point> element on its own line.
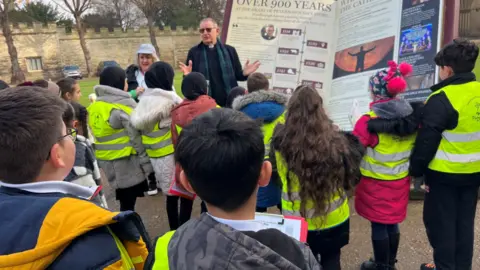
<point>185,183</point>
<point>265,174</point>
<point>75,124</point>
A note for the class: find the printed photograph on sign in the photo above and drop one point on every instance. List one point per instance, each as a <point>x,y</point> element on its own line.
<point>424,81</point>
<point>415,40</point>
<point>416,2</point>
<point>364,57</point>
<point>269,32</point>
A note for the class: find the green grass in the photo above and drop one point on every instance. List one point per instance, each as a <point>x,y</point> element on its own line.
<point>86,85</point>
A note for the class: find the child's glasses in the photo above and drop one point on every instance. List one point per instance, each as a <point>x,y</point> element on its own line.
<point>71,133</point>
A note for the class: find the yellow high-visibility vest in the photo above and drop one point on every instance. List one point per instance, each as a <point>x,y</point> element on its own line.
<point>337,213</point>
<point>459,149</point>
<point>110,143</point>
<point>268,129</point>
<point>390,158</point>
<point>161,252</point>
<point>158,142</point>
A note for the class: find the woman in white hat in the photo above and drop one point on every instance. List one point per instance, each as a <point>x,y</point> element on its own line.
<point>145,56</point>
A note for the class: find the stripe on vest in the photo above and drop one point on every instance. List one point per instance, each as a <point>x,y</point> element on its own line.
<point>105,147</point>
<point>159,145</point>
<point>295,196</point>
<point>464,158</point>
<point>158,133</point>
<point>461,137</point>
<point>111,137</point>
<point>385,170</point>
<point>387,157</point>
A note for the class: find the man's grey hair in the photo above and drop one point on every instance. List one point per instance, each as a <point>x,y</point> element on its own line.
<point>215,24</point>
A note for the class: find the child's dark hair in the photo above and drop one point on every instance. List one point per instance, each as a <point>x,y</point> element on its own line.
<point>221,153</point>
<point>68,115</point>
<point>460,55</point>
<point>66,85</point>
<point>81,115</point>
<point>256,82</point>
<point>40,83</point>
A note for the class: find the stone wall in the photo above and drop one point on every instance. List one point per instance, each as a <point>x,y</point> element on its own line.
<point>57,48</point>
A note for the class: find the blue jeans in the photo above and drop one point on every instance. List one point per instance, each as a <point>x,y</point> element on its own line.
<point>381,231</point>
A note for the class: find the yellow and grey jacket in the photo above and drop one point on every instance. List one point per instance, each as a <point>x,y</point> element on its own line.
<point>118,145</point>
<point>45,225</point>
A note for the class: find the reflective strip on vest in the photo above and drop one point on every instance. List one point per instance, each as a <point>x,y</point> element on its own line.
<point>463,158</point>
<point>161,252</point>
<point>310,214</point>
<point>111,137</point>
<point>459,149</point>
<point>387,157</point>
<point>106,147</point>
<point>464,137</point>
<point>392,171</point>
<point>158,133</point>
<point>158,145</point>
<point>127,262</point>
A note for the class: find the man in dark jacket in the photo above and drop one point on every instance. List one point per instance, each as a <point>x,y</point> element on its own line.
<point>447,153</point>
<point>218,62</point>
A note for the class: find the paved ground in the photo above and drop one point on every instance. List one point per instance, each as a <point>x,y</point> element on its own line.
<point>414,244</point>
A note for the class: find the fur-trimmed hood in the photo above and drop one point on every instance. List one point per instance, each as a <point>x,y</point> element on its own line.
<point>397,118</point>
<point>154,107</point>
<point>266,105</point>
<point>258,97</point>
<point>113,95</point>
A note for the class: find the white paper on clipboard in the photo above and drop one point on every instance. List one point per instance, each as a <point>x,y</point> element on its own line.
<point>355,113</point>
<point>295,228</point>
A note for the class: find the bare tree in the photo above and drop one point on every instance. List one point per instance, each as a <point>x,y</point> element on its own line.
<point>151,9</point>
<point>78,8</point>
<point>126,13</point>
<point>17,74</point>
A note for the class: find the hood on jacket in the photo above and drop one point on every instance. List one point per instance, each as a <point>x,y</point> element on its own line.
<point>154,107</point>
<point>206,244</point>
<point>184,113</point>
<point>403,122</point>
<point>113,95</point>
<point>54,221</point>
<point>266,105</point>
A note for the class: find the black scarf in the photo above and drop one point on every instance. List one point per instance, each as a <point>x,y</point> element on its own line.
<point>160,75</point>
<point>113,77</point>
<point>194,85</point>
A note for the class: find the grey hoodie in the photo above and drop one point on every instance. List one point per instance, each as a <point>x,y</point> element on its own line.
<point>154,109</point>
<point>207,244</point>
<point>130,171</point>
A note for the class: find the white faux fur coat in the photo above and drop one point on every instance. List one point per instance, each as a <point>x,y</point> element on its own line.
<point>154,109</point>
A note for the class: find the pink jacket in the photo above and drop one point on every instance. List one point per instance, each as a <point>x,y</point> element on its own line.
<point>376,200</point>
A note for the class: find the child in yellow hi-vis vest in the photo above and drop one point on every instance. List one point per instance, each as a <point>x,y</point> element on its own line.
<point>118,146</point>
<point>383,192</point>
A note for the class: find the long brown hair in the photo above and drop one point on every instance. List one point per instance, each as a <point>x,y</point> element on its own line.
<point>313,150</point>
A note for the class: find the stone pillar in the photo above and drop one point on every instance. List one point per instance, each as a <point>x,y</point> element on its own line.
<point>475,19</point>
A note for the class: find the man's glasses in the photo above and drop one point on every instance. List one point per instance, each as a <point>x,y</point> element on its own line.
<point>71,134</point>
<point>202,30</point>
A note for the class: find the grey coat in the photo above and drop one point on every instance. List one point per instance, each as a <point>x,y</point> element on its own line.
<point>130,171</point>
<point>154,109</point>
<point>205,243</point>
